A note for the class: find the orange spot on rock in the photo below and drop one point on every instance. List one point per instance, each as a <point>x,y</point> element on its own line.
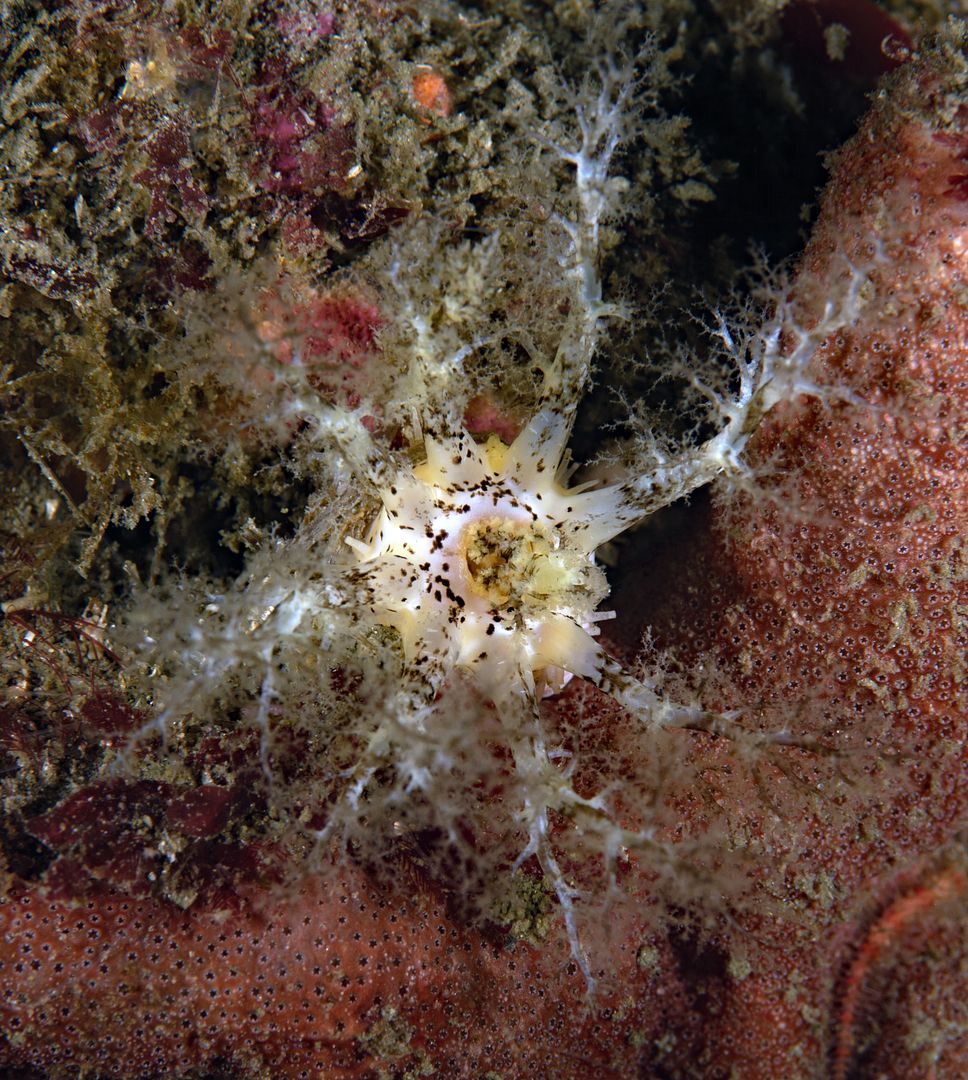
<point>430,92</point>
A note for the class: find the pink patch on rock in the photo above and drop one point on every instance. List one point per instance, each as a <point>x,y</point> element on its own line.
<point>303,147</point>
<point>483,416</point>
<point>333,335</point>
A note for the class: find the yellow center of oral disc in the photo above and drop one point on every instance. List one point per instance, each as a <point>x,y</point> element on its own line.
<point>507,561</point>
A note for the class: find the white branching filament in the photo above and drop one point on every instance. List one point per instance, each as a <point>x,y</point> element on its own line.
<point>483,562</point>
<point>478,566</point>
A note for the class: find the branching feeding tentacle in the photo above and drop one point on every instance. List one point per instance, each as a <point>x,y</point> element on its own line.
<point>461,582</point>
